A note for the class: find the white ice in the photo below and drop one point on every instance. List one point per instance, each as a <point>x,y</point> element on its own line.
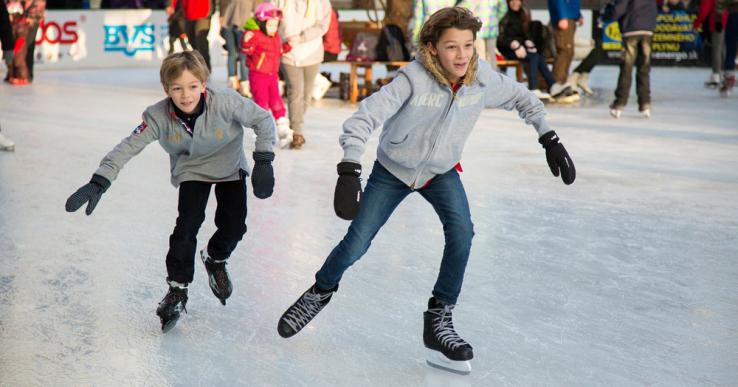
<point>627,277</point>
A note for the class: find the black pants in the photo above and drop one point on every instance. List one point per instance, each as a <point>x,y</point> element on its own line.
<point>592,59</point>
<point>197,34</point>
<point>230,219</point>
<point>636,51</point>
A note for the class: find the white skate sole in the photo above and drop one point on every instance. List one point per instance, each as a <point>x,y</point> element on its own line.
<point>438,360</point>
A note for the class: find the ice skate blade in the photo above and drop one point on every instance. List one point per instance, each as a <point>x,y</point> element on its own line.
<point>7,148</point>
<point>438,360</point>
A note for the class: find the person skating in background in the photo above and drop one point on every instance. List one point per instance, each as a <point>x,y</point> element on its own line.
<point>731,44</point>
<point>263,48</point>
<point>202,129</point>
<point>25,17</point>
<point>637,21</point>
<point>515,42</point>
<point>233,16</point>
<point>713,23</point>
<point>197,15</point>
<point>427,113</point>
<point>176,24</point>
<point>303,25</point>
<point>565,15</point>
<point>8,44</point>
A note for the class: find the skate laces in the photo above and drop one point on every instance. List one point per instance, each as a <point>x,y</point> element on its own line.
<point>175,296</point>
<point>443,327</point>
<point>218,270</point>
<point>307,307</point>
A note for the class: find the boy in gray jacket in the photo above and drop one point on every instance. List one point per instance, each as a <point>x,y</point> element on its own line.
<point>202,130</point>
<point>428,112</point>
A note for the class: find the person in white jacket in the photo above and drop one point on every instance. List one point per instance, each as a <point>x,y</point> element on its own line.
<point>304,22</point>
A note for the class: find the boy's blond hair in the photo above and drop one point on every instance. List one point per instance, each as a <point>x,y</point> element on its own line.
<point>445,18</point>
<point>175,64</point>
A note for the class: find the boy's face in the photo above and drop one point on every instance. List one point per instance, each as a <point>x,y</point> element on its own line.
<point>186,92</point>
<point>454,50</point>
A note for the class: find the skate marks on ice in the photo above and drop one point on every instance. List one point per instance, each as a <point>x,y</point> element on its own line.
<point>433,377</point>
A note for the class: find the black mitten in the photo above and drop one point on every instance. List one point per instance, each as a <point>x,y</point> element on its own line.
<point>262,176</point>
<point>90,192</point>
<point>557,157</point>
<point>348,190</point>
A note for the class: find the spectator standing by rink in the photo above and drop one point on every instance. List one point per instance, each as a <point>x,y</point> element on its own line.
<point>8,44</point>
<point>731,43</point>
<point>202,129</point>
<point>304,22</point>
<point>422,11</point>
<point>25,19</point>
<point>637,21</point>
<point>332,39</point>
<point>714,24</point>
<point>197,25</point>
<point>565,15</point>
<point>233,16</point>
<point>490,12</point>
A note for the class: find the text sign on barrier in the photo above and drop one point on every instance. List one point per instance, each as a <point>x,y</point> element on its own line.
<point>129,41</point>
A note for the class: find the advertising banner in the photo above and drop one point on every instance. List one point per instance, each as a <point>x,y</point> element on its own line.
<point>109,38</point>
<point>675,41</point>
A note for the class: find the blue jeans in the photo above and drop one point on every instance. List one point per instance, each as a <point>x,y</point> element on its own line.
<point>232,36</point>
<point>536,63</point>
<point>382,195</point>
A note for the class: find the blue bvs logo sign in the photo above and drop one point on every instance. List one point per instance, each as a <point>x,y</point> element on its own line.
<point>129,39</point>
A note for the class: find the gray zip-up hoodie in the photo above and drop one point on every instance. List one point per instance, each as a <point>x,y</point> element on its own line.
<point>425,123</point>
<point>214,152</point>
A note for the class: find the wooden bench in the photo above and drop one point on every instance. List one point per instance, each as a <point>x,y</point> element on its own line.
<point>519,70</point>
<point>365,90</point>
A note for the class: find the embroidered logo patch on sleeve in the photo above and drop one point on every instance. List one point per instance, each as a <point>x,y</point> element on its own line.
<point>139,129</point>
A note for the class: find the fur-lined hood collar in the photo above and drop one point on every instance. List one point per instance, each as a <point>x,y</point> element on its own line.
<point>431,64</point>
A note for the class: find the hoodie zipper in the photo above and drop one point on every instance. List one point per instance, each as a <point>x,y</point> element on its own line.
<point>435,140</point>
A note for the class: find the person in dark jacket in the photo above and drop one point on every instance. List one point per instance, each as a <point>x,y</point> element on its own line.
<point>637,20</point>
<point>197,25</point>
<point>515,42</point>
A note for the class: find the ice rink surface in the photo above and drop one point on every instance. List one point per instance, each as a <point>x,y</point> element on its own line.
<point>629,277</point>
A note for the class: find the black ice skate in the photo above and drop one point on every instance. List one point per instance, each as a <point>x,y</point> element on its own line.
<point>171,306</point>
<point>220,284</point>
<point>445,349</point>
<point>303,310</point>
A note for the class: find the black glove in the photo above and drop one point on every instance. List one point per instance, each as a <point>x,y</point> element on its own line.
<point>348,190</point>
<point>262,176</point>
<point>90,192</point>
<point>558,159</point>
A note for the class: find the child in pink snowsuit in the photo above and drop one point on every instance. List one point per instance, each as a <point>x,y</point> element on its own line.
<point>263,48</point>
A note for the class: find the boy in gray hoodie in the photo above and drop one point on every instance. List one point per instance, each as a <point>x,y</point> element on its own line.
<point>427,113</point>
<point>202,130</point>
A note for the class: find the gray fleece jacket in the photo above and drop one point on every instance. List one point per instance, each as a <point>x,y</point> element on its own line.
<point>214,152</point>
<point>425,124</point>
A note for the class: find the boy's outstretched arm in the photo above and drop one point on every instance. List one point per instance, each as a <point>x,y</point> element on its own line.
<point>111,164</point>
<point>508,94</point>
<point>250,115</point>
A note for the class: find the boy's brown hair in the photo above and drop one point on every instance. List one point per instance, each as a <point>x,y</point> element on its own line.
<point>445,18</point>
<point>175,64</point>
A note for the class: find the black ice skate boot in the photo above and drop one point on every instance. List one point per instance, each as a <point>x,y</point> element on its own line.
<point>171,305</point>
<point>220,284</point>
<point>303,310</point>
<point>446,350</point>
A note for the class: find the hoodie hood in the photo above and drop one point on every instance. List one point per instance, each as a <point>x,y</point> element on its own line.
<point>433,66</point>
